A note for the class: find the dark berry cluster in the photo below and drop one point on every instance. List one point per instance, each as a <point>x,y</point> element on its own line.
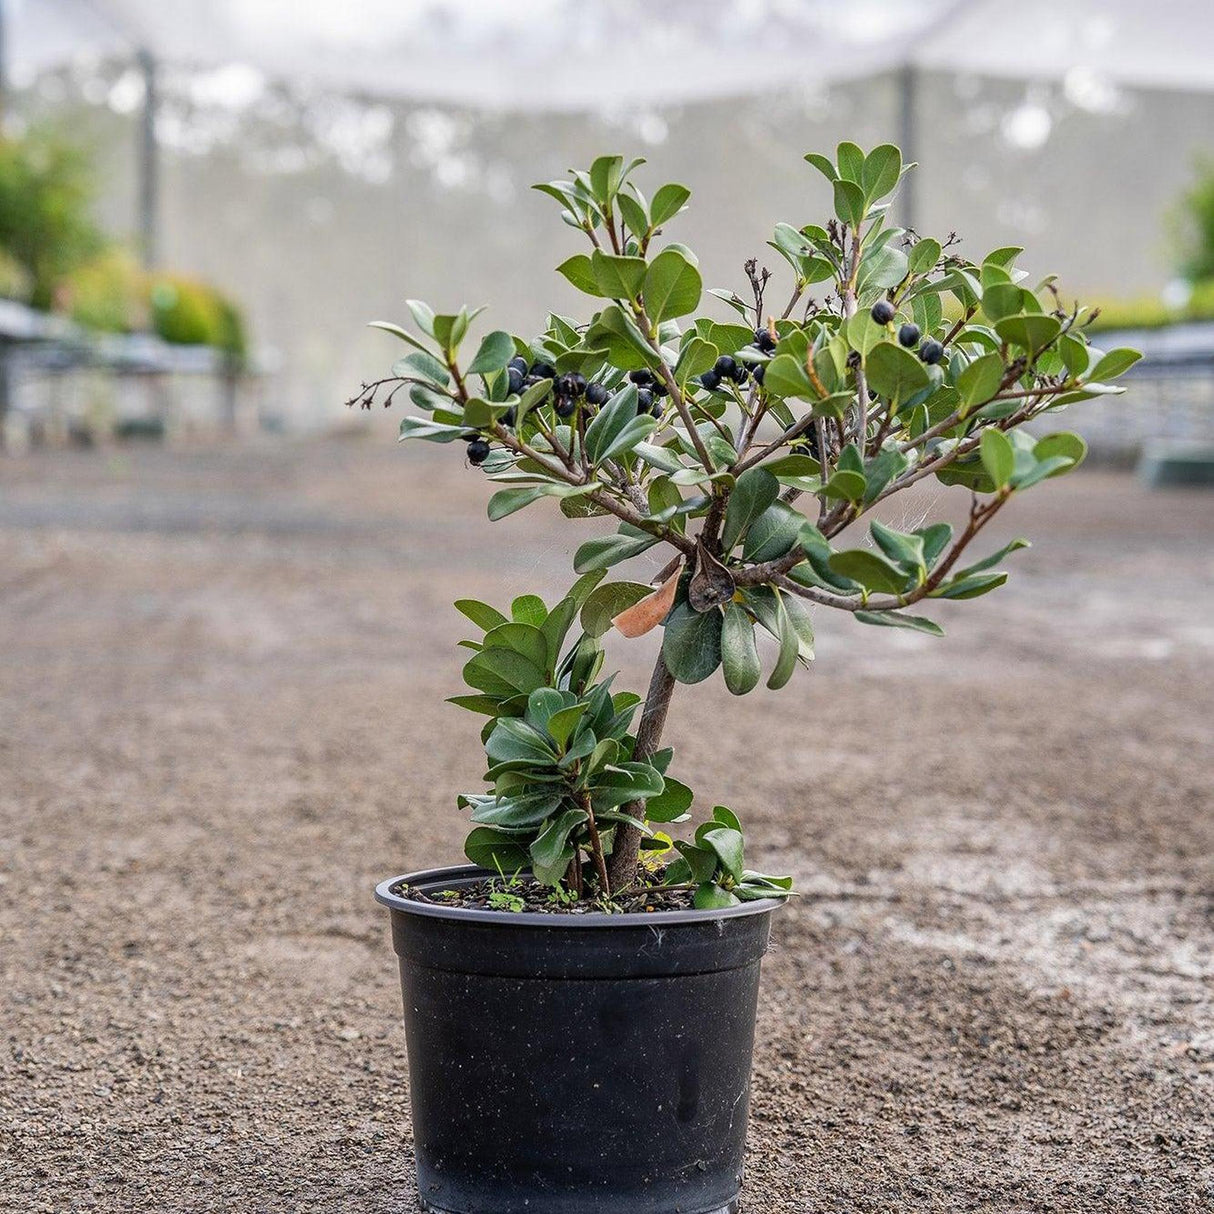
<point>726,367</point>
<point>650,389</point>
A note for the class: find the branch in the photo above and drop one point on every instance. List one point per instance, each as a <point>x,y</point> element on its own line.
<point>672,388</point>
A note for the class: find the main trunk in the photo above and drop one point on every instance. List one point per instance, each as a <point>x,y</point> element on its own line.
<point>622,864</point>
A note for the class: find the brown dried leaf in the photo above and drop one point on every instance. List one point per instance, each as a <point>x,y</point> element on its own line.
<point>641,617</point>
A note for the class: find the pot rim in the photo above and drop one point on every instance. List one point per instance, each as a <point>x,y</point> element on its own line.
<point>509,919</point>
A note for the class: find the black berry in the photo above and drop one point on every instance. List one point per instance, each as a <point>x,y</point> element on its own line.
<point>644,400</point>
<point>515,378</point>
<point>566,406</point>
<point>642,379</point>
<point>883,312</point>
<point>725,366</point>
<point>659,388</point>
<point>741,372</point>
<point>507,418</point>
<point>758,371</point>
<point>908,335</point>
<point>543,370</point>
<point>710,379</point>
<point>518,363</point>
<point>764,340</point>
<point>597,394</point>
<point>931,351</point>
<point>571,384</point>
<point>478,451</point>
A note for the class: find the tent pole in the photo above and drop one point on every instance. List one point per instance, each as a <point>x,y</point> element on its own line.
<point>908,138</point>
<point>3,63</point>
<point>149,162</point>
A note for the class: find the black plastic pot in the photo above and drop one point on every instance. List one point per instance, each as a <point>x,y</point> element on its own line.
<point>577,1064</point>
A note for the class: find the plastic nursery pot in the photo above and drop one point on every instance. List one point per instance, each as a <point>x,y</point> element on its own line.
<point>577,1064</point>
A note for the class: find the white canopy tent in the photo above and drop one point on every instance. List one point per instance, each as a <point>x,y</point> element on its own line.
<point>583,55</point>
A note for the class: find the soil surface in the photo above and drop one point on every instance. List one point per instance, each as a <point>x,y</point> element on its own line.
<point>221,722</point>
<point>512,895</point>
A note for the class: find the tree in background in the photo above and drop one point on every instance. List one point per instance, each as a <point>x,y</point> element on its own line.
<point>1195,221</point>
<point>46,195</point>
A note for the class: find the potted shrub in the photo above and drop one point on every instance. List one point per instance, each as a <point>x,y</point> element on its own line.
<point>580,1000</point>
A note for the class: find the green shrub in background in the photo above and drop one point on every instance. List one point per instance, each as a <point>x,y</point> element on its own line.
<point>191,313</point>
<point>46,229</point>
<point>113,294</point>
<point>1194,223</point>
<point>108,293</point>
<point>52,255</point>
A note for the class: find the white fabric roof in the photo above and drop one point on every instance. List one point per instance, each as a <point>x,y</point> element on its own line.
<point>604,54</point>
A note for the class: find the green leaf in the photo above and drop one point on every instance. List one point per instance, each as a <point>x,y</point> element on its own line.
<point>897,619</point>
<point>528,609</point>
<point>980,380</point>
<point>1064,442</point>
<point>671,804</point>
<point>672,286</point>
<point>667,202</point>
<point>1002,299</point>
<point>502,672</point>
<point>924,255</point>
<point>423,363</point>
<point>712,897</point>
<point>696,357</point>
<point>881,171</point>
<point>785,376</point>
<point>496,850</point>
<point>1026,478</point>
<point>603,604</point>
<point>617,277</point>
<point>514,741</point>
<point>579,271</point>
<point>622,340</point>
<point>727,843</point>
<point>786,660</point>
<point>884,266</point>
<point>894,373</point>
<point>691,643</point>
<point>850,159</point>
<point>636,430</point>
<point>773,533</point>
<point>970,587</point>
<point>388,327</point>
<point>507,501</point>
<point>989,562</point>
<point>608,550</point>
<point>824,165</point>
<point>609,422</point>
<point>845,485</point>
<point>489,706</point>
<point>481,614</point>
<point>633,211</point>
<point>756,489</point>
<point>849,203</point>
<point>495,351</point>
<point>429,431</point>
<point>905,550</point>
<point>871,570</point>
<point>739,653</point>
<point>998,456</point>
<point>1114,363</point>
<point>521,638</point>
<point>550,846</point>
<point>1032,331</point>
<point>562,724</point>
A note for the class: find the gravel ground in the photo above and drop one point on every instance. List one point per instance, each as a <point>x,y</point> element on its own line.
<point>220,722</point>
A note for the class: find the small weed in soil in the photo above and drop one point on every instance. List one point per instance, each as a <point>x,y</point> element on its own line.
<point>520,893</point>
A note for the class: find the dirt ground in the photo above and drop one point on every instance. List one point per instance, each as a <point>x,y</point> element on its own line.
<point>221,721</point>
